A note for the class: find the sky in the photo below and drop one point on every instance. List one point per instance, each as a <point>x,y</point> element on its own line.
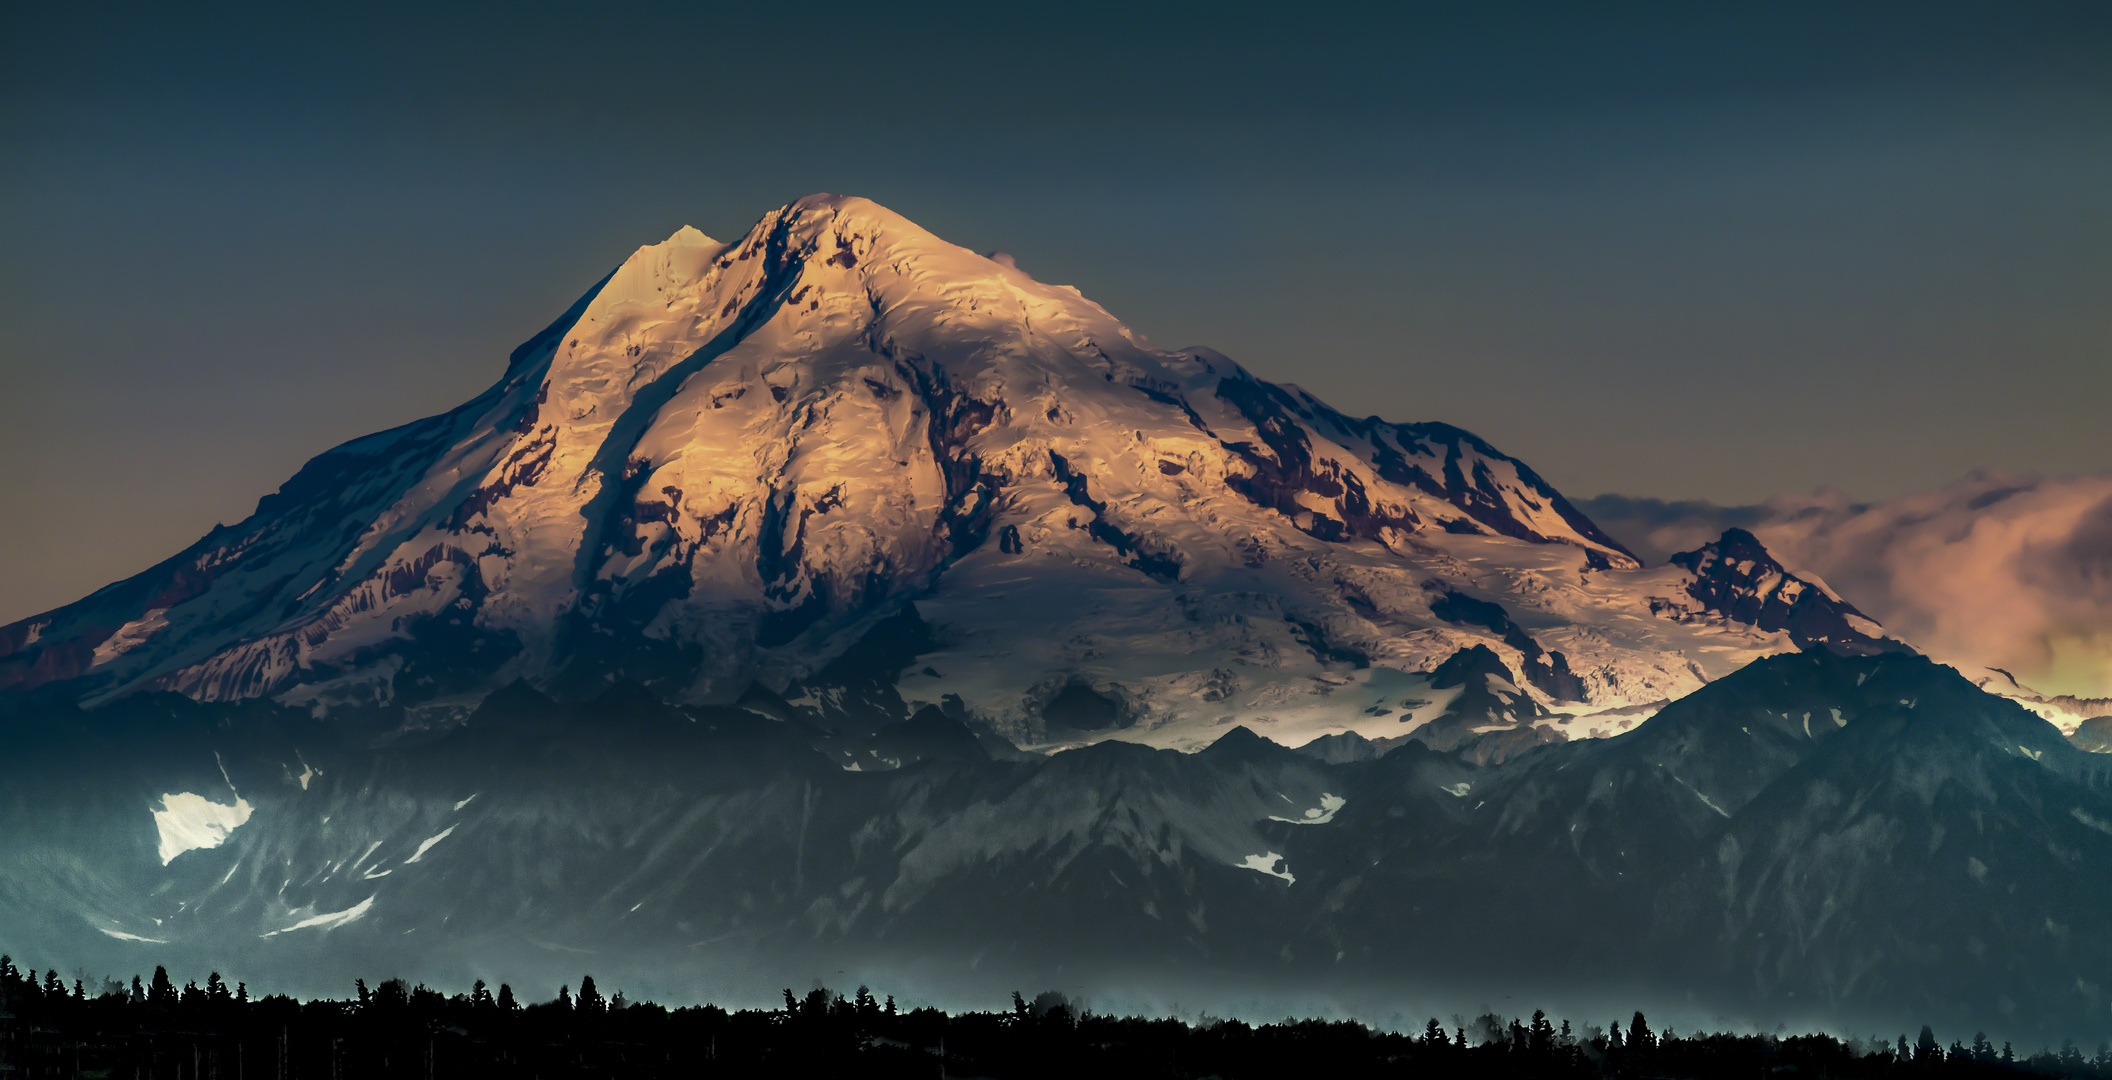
<point>1681,252</point>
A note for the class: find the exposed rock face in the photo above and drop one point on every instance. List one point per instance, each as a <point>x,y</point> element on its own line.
<point>1736,578</point>
<point>730,462</point>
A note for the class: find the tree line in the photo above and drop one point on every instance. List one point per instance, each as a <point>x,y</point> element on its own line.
<point>152,1029</point>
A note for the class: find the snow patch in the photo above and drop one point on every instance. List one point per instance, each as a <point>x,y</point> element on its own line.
<point>122,936</point>
<point>466,802</point>
<point>130,636</point>
<point>2091,821</point>
<point>1319,815</point>
<point>186,822</point>
<point>428,845</point>
<point>1459,790</point>
<point>1266,862</point>
<point>330,921</point>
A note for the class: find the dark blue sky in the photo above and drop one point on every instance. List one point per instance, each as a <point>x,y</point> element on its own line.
<point>1673,251</point>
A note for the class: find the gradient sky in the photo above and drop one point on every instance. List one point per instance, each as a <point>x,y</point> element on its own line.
<point>1669,251</point>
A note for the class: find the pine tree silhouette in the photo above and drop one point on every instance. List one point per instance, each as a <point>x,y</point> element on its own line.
<point>1541,1035</point>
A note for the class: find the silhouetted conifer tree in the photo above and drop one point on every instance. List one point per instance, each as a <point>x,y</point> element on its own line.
<point>139,993</point>
<point>506,1002</point>
<point>1540,1037</point>
<point>163,991</point>
<point>1434,1034</point>
<point>1639,1037</point>
<point>564,997</point>
<point>1613,1035</point>
<point>590,1000</point>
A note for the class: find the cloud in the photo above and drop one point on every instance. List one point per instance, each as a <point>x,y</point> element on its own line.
<point>1993,570</point>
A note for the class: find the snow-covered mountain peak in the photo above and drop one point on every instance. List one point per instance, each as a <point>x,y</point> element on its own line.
<point>729,464</point>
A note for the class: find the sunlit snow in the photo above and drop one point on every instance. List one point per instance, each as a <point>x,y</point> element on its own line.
<point>130,636</point>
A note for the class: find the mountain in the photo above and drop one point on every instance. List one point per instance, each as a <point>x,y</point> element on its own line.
<point>1870,842</point>
<point>843,464</point>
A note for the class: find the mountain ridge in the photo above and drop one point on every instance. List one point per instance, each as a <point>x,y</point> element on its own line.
<point>728,462</point>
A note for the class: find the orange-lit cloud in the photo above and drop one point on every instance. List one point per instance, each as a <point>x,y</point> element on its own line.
<point>1992,570</point>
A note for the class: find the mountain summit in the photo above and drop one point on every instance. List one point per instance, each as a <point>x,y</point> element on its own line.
<point>839,460</point>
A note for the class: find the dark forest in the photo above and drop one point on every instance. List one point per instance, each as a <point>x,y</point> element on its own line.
<point>50,1027</point>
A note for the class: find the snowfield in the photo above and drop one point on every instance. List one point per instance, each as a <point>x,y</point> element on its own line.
<point>730,461</point>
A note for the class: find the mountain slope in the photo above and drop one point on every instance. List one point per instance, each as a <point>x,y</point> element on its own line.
<point>1863,840</point>
<point>729,463</point>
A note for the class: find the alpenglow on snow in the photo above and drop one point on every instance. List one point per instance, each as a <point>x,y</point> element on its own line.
<point>728,463</point>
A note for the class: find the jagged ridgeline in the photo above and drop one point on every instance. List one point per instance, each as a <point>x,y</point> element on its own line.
<point>837,599</point>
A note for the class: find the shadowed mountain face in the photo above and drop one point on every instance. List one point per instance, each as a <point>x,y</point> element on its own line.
<point>1862,839</point>
<point>730,464</point>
